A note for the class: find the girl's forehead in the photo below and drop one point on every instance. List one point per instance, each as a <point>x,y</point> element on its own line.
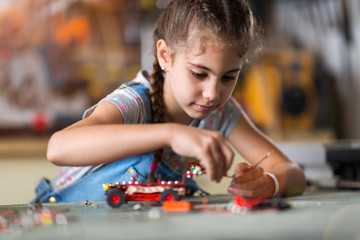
<point>201,46</point>
<point>213,56</point>
<point>199,41</point>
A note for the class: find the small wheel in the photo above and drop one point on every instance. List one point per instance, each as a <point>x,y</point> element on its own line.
<point>115,198</point>
<point>169,195</point>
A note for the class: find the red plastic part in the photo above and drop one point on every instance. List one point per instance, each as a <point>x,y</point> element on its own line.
<point>115,199</point>
<point>177,206</point>
<point>141,197</point>
<point>169,197</point>
<point>248,203</point>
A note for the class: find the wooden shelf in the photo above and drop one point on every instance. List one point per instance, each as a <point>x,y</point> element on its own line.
<point>18,146</point>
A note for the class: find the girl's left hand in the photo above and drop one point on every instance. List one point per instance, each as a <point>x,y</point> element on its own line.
<point>251,182</point>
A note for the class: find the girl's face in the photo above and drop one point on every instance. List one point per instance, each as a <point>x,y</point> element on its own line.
<point>199,82</point>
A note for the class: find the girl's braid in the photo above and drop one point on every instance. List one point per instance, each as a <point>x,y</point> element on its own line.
<point>157,109</point>
<point>156,93</point>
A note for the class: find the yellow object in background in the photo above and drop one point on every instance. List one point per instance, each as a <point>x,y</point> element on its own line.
<point>279,92</point>
<point>299,103</point>
<point>262,95</point>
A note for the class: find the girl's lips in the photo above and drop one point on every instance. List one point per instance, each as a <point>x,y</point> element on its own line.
<point>203,108</point>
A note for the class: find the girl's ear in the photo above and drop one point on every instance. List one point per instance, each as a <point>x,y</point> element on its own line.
<point>163,54</point>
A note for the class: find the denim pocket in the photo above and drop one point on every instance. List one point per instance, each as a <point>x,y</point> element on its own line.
<point>42,190</point>
<point>132,172</point>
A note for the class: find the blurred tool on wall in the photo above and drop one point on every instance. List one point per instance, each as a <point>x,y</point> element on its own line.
<point>290,91</point>
<point>330,31</point>
<point>284,94</point>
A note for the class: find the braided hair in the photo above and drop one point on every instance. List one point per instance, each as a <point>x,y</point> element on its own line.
<point>229,20</point>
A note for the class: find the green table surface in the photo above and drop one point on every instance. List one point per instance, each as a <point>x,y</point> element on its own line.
<point>317,214</point>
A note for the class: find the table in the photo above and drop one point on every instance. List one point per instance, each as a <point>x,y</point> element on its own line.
<point>317,214</point>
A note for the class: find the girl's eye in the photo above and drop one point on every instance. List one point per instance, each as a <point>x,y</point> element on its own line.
<point>198,75</point>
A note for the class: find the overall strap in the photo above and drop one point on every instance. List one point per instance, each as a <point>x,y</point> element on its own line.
<point>144,93</point>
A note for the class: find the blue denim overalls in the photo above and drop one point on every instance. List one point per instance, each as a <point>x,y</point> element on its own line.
<point>89,186</point>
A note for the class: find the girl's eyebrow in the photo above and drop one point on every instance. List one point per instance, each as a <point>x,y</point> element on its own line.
<point>211,71</point>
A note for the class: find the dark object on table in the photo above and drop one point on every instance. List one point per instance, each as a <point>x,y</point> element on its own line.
<point>344,159</point>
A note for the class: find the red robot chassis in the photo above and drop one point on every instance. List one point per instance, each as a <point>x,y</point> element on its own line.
<point>119,193</point>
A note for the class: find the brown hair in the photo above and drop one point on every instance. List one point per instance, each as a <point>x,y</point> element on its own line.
<point>229,20</point>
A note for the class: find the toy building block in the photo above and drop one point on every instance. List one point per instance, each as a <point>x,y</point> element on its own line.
<point>177,206</point>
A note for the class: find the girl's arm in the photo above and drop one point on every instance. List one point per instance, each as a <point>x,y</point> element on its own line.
<point>102,138</point>
<point>252,182</point>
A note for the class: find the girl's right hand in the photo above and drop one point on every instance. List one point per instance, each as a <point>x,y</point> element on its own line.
<point>251,182</point>
<point>209,147</point>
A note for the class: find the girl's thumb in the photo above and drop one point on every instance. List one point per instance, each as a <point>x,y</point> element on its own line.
<point>241,168</point>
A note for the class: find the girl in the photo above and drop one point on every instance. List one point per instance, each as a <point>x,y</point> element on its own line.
<point>182,111</point>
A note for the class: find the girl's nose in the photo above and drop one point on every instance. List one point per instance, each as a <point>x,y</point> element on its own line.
<point>211,91</point>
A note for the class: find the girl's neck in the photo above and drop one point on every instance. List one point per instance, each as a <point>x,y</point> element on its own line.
<point>179,118</point>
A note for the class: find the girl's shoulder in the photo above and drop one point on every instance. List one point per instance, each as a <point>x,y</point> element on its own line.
<point>131,98</point>
<point>142,78</point>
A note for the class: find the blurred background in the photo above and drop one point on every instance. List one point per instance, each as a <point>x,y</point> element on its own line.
<point>58,57</point>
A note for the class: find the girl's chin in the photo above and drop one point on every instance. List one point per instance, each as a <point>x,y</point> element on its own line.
<point>198,115</point>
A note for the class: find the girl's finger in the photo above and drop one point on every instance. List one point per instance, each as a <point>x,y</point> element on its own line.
<point>218,161</point>
<point>254,193</point>
<point>252,190</point>
<point>252,184</point>
<point>228,156</point>
<point>246,173</point>
<point>207,160</point>
<point>241,168</point>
